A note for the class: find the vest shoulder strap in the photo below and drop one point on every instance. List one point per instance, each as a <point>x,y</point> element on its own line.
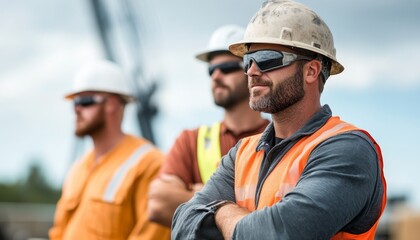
<point>208,150</point>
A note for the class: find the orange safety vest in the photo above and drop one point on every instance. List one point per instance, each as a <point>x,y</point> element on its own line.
<point>287,172</point>
<point>103,200</point>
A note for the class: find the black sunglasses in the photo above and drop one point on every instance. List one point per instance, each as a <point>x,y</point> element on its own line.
<point>267,60</point>
<point>87,100</point>
<point>226,67</point>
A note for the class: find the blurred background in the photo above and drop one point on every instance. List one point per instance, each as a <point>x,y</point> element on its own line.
<point>43,43</point>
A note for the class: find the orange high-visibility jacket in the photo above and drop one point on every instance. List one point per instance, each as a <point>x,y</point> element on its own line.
<point>108,199</point>
<point>286,174</point>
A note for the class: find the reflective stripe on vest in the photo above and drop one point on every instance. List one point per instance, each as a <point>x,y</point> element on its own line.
<point>120,174</point>
<point>285,175</point>
<point>208,150</point>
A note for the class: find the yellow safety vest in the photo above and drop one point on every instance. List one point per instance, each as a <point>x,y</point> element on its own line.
<point>208,150</point>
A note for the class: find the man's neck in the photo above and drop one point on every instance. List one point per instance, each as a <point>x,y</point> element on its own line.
<point>104,141</point>
<point>241,118</point>
<point>290,120</point>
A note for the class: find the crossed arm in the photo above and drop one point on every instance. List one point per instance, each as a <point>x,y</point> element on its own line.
<point>169,190</point>
<point>166,193</point>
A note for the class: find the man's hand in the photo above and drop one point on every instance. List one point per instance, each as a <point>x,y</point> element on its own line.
<point>227,216</point>
<point>172,179</point>
<point>196,187</point>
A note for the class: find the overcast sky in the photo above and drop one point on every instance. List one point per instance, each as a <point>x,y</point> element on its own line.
<point>43,43</point>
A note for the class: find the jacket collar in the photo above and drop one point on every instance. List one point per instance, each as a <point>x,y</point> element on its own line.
<point>315,123</point>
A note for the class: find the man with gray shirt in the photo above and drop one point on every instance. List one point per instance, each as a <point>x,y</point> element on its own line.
<point>309,175</point>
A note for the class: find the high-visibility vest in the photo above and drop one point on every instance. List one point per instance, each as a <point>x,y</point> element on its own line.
<point>208,150</point>
<point>283,178</point>
<point>97,199</point>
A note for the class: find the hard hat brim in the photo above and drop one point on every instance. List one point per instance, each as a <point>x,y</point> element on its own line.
<point>127,98</point>
<point>204,56</point>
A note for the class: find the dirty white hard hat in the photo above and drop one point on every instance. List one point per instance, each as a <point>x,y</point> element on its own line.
<point>221,39</point>
<point>101,76</point>
<point>289,23</point>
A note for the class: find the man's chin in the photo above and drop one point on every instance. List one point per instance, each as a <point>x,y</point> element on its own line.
<point>260,106</point>
<point>80,133</point>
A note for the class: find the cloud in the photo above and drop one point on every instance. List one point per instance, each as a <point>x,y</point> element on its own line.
<point>53,67</point>
<point>389,68</point>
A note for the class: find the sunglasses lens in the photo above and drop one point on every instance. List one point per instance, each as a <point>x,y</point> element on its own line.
<point>266,60</point>
<point>85,101</point>
<point>226,68</point>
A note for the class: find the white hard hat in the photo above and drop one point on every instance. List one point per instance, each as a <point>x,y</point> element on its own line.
<point>289,23</point>
<point>221,39</point>
<point>101,76</point>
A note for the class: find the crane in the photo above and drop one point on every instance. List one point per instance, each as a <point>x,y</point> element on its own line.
<point>145,109</point>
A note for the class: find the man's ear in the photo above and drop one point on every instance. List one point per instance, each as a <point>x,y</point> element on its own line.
<point>113,104</point>
<point>312,71</point>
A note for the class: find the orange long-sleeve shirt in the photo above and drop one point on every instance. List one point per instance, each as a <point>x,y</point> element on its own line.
<point>108,199</point>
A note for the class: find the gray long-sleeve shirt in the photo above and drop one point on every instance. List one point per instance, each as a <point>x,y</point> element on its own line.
<point>340,189</point>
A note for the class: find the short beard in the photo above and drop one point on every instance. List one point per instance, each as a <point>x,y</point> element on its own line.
<point>95,125</point>
<point>282,96</point>
<point>235,96</point>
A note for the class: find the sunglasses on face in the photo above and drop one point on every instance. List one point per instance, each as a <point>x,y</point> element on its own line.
<point>226,67</point>
<point>87,100</point>
<point>267,60</point>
